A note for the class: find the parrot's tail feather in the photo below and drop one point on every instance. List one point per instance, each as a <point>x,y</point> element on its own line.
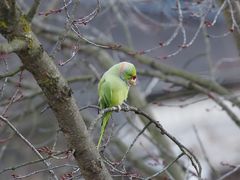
<point>103,127</point>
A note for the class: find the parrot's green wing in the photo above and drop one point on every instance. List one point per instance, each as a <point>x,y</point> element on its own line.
<point>105,92</point>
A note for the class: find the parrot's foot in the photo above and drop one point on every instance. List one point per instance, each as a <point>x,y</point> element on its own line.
<point>125,106</point>
<point>119,108</point>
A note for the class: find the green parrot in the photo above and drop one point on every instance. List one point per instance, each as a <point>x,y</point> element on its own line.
<point>113,89</point>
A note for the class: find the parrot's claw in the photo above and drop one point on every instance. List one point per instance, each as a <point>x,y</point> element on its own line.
<point>125,106</point>
<point>119,108</point>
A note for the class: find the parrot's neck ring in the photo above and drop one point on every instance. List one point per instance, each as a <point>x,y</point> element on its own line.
<point>127,83</point>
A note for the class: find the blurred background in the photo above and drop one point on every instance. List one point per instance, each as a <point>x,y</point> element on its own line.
<point>197,36</point>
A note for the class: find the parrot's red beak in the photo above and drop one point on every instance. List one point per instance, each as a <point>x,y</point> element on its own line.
<point>133,81</point>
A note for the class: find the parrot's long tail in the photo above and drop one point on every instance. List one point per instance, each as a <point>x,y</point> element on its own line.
<point>103,127</point>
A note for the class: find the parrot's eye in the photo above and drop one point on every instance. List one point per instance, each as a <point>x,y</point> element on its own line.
<point>134,77</point>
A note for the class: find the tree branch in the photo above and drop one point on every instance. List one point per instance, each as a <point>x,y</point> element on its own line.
<point>31,162</point>
<point>195,163</point>
<point>12,46</point>
<point>196,86</point>
<point>10,74</point>
<point>165,168</point>
<point>31,13</point>
<point>28,144</point>
<point>235,169</point>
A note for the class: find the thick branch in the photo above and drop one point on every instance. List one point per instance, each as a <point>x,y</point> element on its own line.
<point>13,46</point>
<point>61,101</point>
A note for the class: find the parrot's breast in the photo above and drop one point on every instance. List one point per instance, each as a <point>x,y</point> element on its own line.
<point>112,91</point>
<point>119,92</point>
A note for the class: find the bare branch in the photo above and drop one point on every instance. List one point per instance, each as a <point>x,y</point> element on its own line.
<point>27,143</point>
<point>220,102</point>
<point>229,173</point>
<point>54,11</point>
<point>204,152</point>
<point>86,19</point>
<point>13,46</point>
<point>13,73</point>
<point>135,139</point>
<point>44,170</point>
<point>184,150</point>
<point>202,89</point>
<point>31,162</point>
<point>165,168</point>
<point>33,10</point>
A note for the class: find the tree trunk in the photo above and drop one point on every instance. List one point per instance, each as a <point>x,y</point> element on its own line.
<point>14,25</point>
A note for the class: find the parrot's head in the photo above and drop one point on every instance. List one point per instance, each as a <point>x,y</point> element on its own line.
<point>128,73</point>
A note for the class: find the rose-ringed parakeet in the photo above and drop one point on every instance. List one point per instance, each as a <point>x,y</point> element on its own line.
<point>113,89</point>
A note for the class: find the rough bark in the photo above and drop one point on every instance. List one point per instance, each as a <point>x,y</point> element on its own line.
<point>14,25</point>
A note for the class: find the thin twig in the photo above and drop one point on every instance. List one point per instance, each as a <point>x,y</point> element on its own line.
<point>229,173</point>
<point>10,74</point>
<point>204,152</point>
<point>165,168</point>
<point>135,139</point>
<point>31,162</point>
<point>43,170</point>
<point>48,164</point>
